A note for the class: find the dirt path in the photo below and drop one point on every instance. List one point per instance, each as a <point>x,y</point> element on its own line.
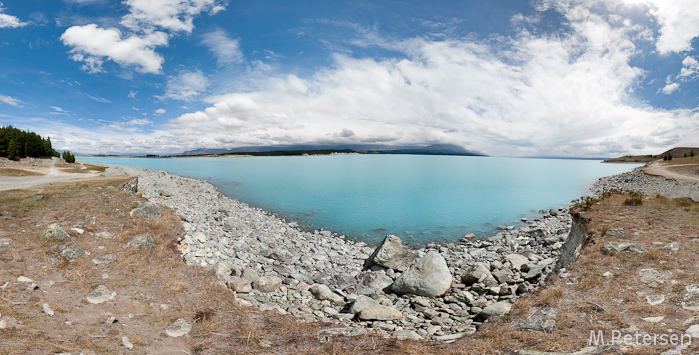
<point>659,169</point>
<point>52,176</point>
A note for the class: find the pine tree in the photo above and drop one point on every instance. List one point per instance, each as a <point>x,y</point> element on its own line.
<point>12,150</point>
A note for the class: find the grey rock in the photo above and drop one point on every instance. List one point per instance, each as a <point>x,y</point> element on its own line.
<point>496,309</point>
<point>178,328</point>
<point>54,232</point>
<point>429,276</point>
<point>164,193</point>
<point>361,303</point>
<point>380,313</point>
<point>72,253</point>
<point>474,273</point>
<point>391,253</point>
<point>376,280</point>
<point>625,247</point>
<point>516,260</point>
<point>322,292</point>
<point>693,331</point>
<point>267,283</point>
<point>239,285</point>
<point>100,294</point>
<point>406,334</point>
<point>147,210</point>
<point>502,275</point>
<point>142,241</point>
<point>543,320</point>
<point>617,232</point>
<point>125,341</point>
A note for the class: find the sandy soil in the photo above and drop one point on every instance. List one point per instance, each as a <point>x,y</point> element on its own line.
<point>52,173</point>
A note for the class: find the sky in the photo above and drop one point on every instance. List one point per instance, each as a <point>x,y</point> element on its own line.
<point>564,78</point>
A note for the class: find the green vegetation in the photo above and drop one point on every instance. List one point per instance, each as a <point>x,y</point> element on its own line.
<point>15,144</point>
<point>69,158</point>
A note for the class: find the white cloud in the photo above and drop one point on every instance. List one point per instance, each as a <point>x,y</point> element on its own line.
<point>160,111</point>
<point>173,15</point>
<point>186,86</point>
<point>11,100</point>
<point>690,68</point>
<point>9,21</point>
<point>91,44</point>
<point>544,95</point>
<point>58,109</point>
<point>679,21</point>
<point>669,88</point>
<point>99,99</point>
<point>227,50</point>
<point>151,22</point>
<point>132,94</point>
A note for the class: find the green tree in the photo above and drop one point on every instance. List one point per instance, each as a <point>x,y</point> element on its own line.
<point>69,158</point>
<point>12,150</point>
<point>691,153</point>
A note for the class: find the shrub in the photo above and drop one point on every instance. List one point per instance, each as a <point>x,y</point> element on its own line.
<point>634,199</point>
<point>69,158</point>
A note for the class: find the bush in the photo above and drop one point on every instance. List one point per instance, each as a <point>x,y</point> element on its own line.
<point>635,199</point>
<point>69,158</point>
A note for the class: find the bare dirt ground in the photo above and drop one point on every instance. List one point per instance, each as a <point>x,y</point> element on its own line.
<point>33,172</point>
<point>682,169</point>
<point>602,291</point>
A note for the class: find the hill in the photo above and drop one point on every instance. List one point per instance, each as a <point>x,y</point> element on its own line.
<point>434,149</point>
<point>679,152</point>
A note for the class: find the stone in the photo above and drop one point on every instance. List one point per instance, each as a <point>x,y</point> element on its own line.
<point>47,309</point>
<point>406,334</point>
<point>533,273</point>
<point>655,299</point>
<point>429,277</point>
<point>239,285</point>
<point>178,328</point>
<point>450,338</point>
<point>125,341</point>
<point>380,313</point>
<point>164,193</point>
<point>692,306</point>
<point>267,283</point>
<point>496,309</point>
<point>474,273</point>
<point>617,232</point>
<point>142,241</point>
<point>674,246</point>
<point>516,261</point>
<point>653,319</point>
<point>652,275</point>
<point>100,294</point>
<point>147,210</point>
<point>392,254</point>
<point>693,331</point>
<point>376,280</point>
<point>502,275</point>
<point>625,247</point>
<point>692,290</point>
<point>104,259</point>
<point>54,232</point>
<point>543,320</point>
<point>24,279</point>
<point>322,292</point>
<point>362,303</point>
<point>72,253</point>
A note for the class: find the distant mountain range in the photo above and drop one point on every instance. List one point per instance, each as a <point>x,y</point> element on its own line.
<point>434,149</point>
<point>678,152</point>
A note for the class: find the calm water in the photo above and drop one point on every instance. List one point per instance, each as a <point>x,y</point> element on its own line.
<point>418,198</point>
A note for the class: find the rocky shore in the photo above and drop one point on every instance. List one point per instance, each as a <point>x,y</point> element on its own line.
<point>437,292</point>
<point>638,181</point>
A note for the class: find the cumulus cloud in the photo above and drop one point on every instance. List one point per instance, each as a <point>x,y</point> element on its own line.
<point>669,88</point>
<point>160,111</point>
<point>91,44</point>
<point>545,95</point>
<point>679,21</point>
<point>185,86</point>
<point>13,101</point>
<point>173,15</point>
<point>690,68</point>
<point>225,49</point>
<point>151,22</point>
<point>9,21</point>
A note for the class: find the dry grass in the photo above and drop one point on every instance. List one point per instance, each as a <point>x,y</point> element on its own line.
<point>18,172</point>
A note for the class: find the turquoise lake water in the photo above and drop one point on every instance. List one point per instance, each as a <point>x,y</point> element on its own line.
<point>418,198</point>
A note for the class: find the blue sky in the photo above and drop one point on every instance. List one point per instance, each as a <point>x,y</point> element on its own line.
<point>578,78</point>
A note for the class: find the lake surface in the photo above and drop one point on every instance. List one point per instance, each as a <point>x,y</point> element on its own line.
<point>418,198</point>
